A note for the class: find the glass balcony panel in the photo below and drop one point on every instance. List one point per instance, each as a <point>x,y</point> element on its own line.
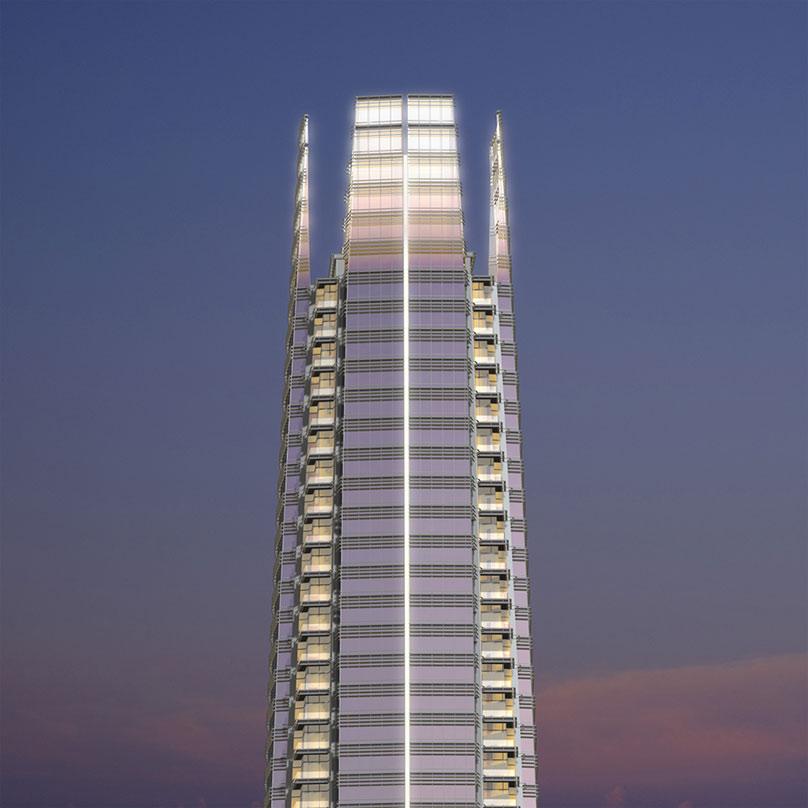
<point>310,651</point>
<point>316,591</point>
<point>313,678</point>
<point>315,619</point>
<point>312,708</point>
<point>310,738</point>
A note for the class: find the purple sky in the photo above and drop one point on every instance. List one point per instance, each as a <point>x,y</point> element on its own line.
<point>658,166</point>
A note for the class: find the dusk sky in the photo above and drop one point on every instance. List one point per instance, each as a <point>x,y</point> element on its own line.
<point>658,169</point>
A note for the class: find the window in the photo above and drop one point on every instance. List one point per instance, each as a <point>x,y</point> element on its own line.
<point>431,140</point>
<point>378,111</point>
<point>425,109</point>
<point>377,140</point>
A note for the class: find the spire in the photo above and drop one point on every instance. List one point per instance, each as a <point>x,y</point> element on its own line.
<point>300,232</point>
<point>499,249</point>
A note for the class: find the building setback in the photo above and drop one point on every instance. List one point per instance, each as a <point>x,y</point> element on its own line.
<point>400,669</point>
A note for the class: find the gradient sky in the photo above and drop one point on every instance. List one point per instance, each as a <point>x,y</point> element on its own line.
<point>657,156</point>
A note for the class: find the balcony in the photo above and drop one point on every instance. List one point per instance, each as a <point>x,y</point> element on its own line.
<point>494,591</point>
<point>489,441</point>
<point>319,799</point>
<point>303,770</point>
<point>487,415</point>
<point>492,534</point>
<point>313,564</point>
<point>319,593</point>
<point>491,504</point>
<point>495,618</point>
<point>489,472</point>
<point>316,535</point>
<point>306,741</point>
<point>326,297</point>
<point>497,708</point>
<point>323,383</point>
<point>313,652</point>
<point>499,767</point>
<point>324,355</point>
<point>481,295</point>
<point>497,679</point>
<point>320,443</point>
<point>313,505</point>
<point>319,416</point>
<point>323,391</point>
<point>493,561</point>
<point>308,682</point>
<point>325,329</point>
<point>485,356</point>
<point>496,798</point>
<point>496,650</point>
<point>315,620</point>
<point>499,740</point>
<point>483,325</point>
<point>312,708</point>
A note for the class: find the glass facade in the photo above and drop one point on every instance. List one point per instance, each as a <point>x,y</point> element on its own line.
<point>400,671</point>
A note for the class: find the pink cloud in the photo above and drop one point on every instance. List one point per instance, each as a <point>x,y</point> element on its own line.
<point>731,735</point>
<point>691,729</point>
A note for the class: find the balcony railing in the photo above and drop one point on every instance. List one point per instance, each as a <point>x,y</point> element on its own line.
<point>499,768</point>
<point>321,360</point>
<point>315,505</point>
<point>314,565</point>
<point>321,417</point>
<point>487,357</point>
<point>320,800</point>
<point>320,477</point>
<point>497,679</point>
<point>316,682</point>
<point>490,504</point>
<point>317,652</point>
<point>496,649</point>
<point>497,799</point>
<point>487,415</point>
<point>310,741</point>
<point>498,709</point>
<point>317,537</point>
<point>494,591</point>
<point>303,773</point>
<point>481,296</point>
<point>320,446</point>
<point>320,594</point>
<point>315,623</point>
<point>311,712</point>
<point>325,300</point>
<point>493,561</point>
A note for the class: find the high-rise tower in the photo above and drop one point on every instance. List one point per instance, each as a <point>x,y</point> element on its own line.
<point>400,671</point>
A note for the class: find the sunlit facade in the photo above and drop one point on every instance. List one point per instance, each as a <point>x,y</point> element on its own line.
<point>400,670</point>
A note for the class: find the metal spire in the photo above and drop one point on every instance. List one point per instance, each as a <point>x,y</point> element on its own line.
<point>499,249</point>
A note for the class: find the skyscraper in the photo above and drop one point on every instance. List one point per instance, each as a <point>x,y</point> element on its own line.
<point>400,670</point>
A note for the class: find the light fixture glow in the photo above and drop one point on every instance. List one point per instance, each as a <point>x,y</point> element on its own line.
<point>406,309</point>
